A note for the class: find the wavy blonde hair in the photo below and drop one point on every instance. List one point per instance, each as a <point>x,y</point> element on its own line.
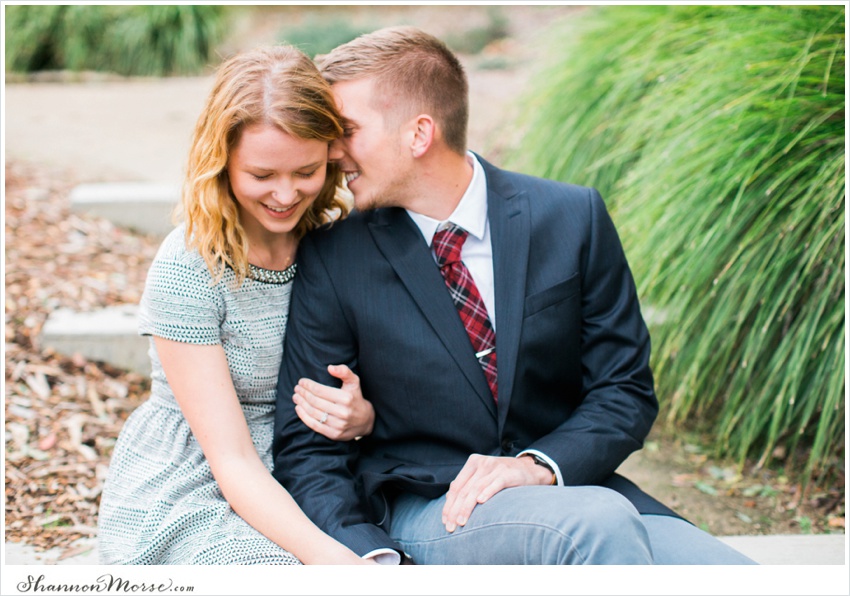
<point>275,85</point>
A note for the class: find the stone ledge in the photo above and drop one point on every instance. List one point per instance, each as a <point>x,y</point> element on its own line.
<point>140,206</point>
<point>798,549</point>
<point>108,335</point>
<point>821,549</point>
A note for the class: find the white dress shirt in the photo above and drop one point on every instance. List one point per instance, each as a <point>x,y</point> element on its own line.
<point>477,253</point>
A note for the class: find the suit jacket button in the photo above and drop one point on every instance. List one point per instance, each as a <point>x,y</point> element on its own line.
<point>508,445</point>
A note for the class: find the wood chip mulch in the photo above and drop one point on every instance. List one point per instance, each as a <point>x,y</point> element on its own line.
<point>62,413</point>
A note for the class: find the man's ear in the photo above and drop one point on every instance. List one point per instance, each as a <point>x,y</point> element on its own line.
<point>424,131</point>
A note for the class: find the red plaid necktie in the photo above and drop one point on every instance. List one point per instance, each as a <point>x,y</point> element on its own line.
<point>447,245</point>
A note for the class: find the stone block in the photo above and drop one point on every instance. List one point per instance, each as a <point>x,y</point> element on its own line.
<point>140,206</point>
<point>797,549</point>
<point>108,335</point>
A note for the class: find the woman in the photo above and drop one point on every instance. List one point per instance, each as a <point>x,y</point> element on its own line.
<point>189,481</point>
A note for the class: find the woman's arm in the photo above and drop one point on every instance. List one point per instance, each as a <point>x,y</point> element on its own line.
<point>200,379</point>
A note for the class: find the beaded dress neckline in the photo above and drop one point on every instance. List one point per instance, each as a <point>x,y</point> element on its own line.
<point>271,276</point>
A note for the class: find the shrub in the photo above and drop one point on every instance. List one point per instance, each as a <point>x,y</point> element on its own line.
<point>317,35</point>
<point>128,40</point>
<point>166,39</point>
<point>717,133</point>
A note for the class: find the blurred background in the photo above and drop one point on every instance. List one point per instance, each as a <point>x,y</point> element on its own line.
<point>125,84</point>
<point>715,134</point>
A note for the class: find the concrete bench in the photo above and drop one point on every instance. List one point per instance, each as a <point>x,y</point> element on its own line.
<point>822,549</point>
<point>798,549</point>
<point>140,206</point>
<point>107,335</point>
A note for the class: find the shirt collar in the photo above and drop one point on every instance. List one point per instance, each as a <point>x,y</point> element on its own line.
<point>470,213</point>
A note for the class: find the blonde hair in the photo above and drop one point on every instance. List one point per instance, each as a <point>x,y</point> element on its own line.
<point>276,85</point>
<point>411,67</point>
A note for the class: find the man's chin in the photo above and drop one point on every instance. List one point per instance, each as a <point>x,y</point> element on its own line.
<point>365,203</point>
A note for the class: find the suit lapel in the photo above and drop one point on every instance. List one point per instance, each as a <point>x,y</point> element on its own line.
<point>510,230</point>
<point>401,243</point>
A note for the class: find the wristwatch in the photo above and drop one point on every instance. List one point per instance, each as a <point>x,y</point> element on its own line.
<point>542,462</point>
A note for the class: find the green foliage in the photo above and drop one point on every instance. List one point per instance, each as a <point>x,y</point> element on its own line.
<point>805,524</point>
<point>167,39</point>
<point>318,35</point>
<point>717,133</point>
<point>128,40</point>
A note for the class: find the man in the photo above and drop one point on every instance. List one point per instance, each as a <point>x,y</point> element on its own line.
<point>494,323</point>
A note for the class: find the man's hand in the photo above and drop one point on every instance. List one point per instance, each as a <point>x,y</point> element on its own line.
<point>482,477</point>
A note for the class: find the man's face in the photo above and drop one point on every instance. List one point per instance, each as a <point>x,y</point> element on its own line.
<point>372,157</point>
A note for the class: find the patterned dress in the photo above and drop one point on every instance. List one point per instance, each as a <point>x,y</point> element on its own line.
<point>160,503</point>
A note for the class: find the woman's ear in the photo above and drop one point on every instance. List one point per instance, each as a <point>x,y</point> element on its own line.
<point>424,131</point>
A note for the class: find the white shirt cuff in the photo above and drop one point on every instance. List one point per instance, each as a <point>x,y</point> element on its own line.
<point>384,556</point>
<point>559,480</point>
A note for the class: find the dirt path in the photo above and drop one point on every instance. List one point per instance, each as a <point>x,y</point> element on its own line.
<point>114,129</point>
<point>139,129</point>
<point>105,131</point>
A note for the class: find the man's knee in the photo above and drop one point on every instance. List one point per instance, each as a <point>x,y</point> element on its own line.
<point>569,525</point>
<point>527,525</point>
<point>607,511</point>
<point>604,526</point>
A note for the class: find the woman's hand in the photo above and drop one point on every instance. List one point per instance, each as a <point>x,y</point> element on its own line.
<point>339,414</point>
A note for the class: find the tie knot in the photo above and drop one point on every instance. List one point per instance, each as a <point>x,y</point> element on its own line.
<point>448,243</point>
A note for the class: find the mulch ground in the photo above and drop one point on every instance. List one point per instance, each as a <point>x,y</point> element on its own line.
<point>62,413</point>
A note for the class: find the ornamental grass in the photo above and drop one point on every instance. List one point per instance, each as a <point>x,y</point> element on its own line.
<point>716,134</point>
<point>154,40</point>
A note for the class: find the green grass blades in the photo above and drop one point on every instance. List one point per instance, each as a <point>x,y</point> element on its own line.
<point>166,39</point>
<point>716,135</point>
<point>32,35</point>
<point>151,40</point>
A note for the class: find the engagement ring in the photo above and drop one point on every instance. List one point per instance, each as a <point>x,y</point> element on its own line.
<point>324,418</point>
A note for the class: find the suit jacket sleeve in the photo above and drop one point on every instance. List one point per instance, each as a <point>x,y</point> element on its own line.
<point>315,470</point>
<point>618,403</point>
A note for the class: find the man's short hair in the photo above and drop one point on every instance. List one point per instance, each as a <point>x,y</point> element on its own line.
<point>414,73</point>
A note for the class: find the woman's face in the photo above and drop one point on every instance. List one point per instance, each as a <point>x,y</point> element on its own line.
<point>275,177</point>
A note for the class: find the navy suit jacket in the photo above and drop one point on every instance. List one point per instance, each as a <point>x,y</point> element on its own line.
<point>573,356</point>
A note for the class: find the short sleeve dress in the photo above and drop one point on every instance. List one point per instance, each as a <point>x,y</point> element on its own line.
<point>160,502</point>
